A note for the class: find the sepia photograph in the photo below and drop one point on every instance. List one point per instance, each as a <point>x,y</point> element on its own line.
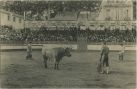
<point>54,44</point>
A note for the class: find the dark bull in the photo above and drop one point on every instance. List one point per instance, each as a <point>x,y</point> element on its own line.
<point>55,54</point>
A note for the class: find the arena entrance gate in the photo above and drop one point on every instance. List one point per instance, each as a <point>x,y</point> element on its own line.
<point>82,43</point>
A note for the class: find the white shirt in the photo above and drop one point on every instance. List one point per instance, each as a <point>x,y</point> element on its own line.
<point>29,49</point>
<point>122,49</point>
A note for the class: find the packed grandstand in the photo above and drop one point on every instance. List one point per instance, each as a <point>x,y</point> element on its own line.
<point>68,34</point>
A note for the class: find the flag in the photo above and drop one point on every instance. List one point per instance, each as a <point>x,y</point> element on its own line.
<point>24,15</point>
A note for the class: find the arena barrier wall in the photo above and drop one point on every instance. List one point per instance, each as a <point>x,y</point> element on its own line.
<point>73,46</point>
<point>111,47</point>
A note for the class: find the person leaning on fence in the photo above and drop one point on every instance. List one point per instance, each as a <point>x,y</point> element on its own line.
<point>29,51</point>
<point>104,60</point>
<point>121,52</point>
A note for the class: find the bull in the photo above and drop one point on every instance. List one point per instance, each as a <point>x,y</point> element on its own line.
<point>55,54</point>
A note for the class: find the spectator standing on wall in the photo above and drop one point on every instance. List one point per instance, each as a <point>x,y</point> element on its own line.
<point>121,52</point>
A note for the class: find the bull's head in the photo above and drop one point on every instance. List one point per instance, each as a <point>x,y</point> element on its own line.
<point>67,52</point>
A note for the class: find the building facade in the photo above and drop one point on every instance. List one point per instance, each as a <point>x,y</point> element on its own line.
<point>12,20</point>
<point>117,13</point>
<point>117,10</point>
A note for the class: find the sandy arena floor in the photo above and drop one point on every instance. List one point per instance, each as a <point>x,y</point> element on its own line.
<point>78,71</point>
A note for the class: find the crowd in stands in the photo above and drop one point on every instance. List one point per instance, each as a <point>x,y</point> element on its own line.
<point>70,34</point>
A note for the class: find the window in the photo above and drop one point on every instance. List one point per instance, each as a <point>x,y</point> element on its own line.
<point>107,18</point>
<point>101,25</point>
<point>8,17</point>
<point>92,25</point>
<point>109,1</point>
<point>127,13</point>
<point>108,10</point>
<point>117,1</point>
<point>20,20</point>
<point>14,19</point>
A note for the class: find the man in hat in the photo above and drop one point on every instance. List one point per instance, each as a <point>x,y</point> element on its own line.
<point>29,51</point>
<point>104,60</point>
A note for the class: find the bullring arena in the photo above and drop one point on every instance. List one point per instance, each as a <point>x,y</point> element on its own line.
<point>82,26</point>
<point>78,71</point>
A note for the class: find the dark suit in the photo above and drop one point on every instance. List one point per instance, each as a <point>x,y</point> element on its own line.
<point>104,55</point>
